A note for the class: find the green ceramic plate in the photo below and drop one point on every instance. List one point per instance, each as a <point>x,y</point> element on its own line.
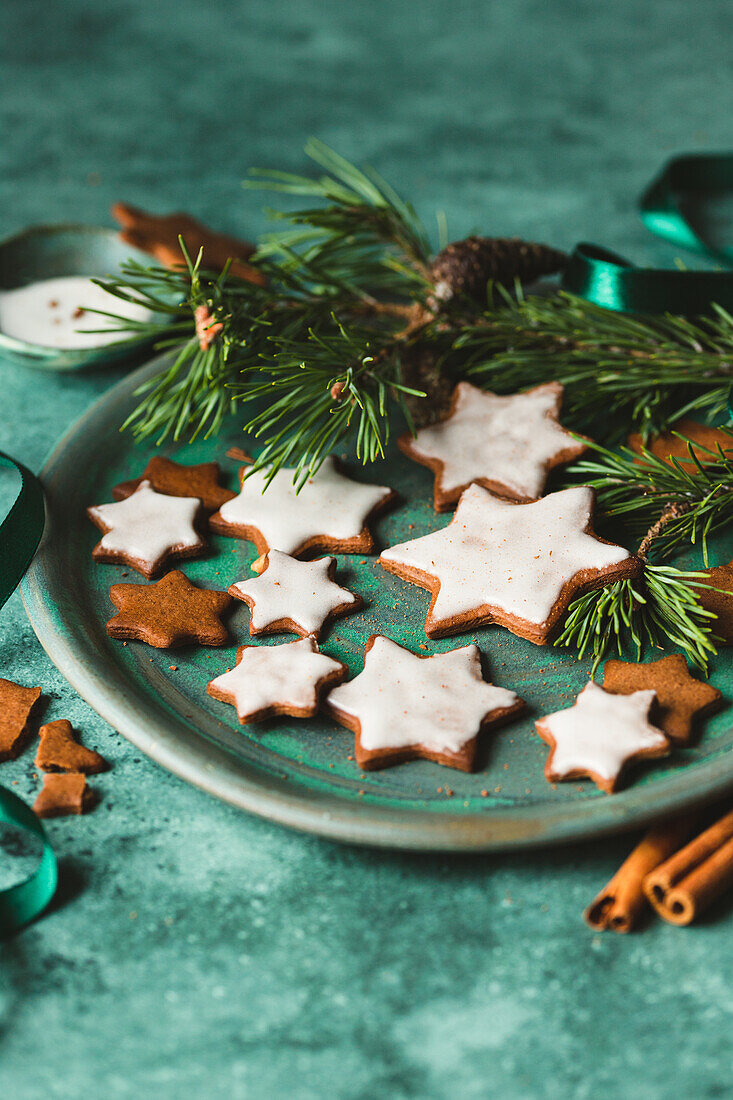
<point>298,773</point>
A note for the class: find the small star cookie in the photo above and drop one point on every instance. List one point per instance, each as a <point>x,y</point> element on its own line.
<point>16,704</point>
<point>599,735</point>
<point>282,679</point>
<point>518,565</point>
<point>506,444</point>
<point>171,612</point>
<point>176,480</point>
<point>59,751</point>
<point>680,697</point>
<point>147,530</point>
<point>292,595</point>
<point>404,707</point>
<point>331,512</point>
<point>719,602</point>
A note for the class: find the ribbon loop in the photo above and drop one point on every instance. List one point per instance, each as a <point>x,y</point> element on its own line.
<point>20,533</point>
<point>610,281</point>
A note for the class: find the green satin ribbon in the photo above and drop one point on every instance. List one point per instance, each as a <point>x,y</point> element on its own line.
<point>20,533</point>
<point>608,280</point>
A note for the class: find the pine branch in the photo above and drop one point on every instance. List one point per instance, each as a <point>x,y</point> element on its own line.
<point>660,609</point>
<point>619,371</point>
<point>670,502</point>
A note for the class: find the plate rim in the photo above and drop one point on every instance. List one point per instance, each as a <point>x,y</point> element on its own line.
<point>213,770</point>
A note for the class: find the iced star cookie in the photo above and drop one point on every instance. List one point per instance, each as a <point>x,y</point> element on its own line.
<point>292,595</point>
<point>680,697</point>
<point>599,735</point>
<point>176,480</point>
<point>281,679</point>
<point>517,565</point>
<point>506,444</point>
<point>404,707</point>
<point>147,530</point>
<point>331,512</point>
<point>171,612</point>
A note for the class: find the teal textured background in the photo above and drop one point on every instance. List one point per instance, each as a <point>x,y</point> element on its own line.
<point>196,951</point>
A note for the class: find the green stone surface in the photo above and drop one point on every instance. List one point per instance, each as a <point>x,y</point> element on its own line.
<point>195,951</point>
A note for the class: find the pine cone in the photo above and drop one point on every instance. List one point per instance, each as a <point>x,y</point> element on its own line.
<point>465,267</point>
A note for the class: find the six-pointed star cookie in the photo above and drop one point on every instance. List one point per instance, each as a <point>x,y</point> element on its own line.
<point>147,530</point>
<point>680,697</point>
<point>292,595</point>
<point>599,735</point>
<point>331,512</point>
<point>507,444</point>
<point>720,602</point>
<point>176,480</point>
<point>518,565</point>
<point>282,679</point>
<point>402,706</point>
<point>169,613</point>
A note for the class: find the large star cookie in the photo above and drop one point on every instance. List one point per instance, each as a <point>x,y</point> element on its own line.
<point>331,512</point>
<point>402,707</point>
<point>147,530</point>
<point>176,480</point>
<point>518,565</point>
<point>292,595</point>
<point>507,444</point>
<point>680,697</point>
<point>599,735</point>
<point>281,679</point>
<point>171,612</point>
<point>720,602</point>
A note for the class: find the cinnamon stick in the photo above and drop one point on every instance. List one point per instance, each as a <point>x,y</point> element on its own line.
<point>621,903</point>
<point>688,882</point>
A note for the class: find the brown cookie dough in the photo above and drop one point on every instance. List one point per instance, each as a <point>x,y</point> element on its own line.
<point>59,751</point>
<point>16,704</point>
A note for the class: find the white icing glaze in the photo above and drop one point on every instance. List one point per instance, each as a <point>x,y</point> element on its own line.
<point>438,702</point>
<point>292,589</point>
<point>513,556</point>
<point>44,313</point>
<point>279,675</point>
<point>329,504</point>
<point>600,732</point>
<point>508,440</point>
<point>148,524</point>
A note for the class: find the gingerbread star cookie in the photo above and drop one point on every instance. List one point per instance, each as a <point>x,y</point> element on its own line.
<point>171,612</point>
<point>704,439</point>
<point>719,602</point>
<point>16,704</point>
<point>404,707</point>
<point>331,512</point>
<point>176,480</point>
<point>158,234</point>
<point>599,735</point>
<point>507,444</point>
<point>59,751</point>
<point>282,679</point>
<point>518,565</point>
<point>680,697</point>
<point>292,595</point>
<point>147,530</point>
